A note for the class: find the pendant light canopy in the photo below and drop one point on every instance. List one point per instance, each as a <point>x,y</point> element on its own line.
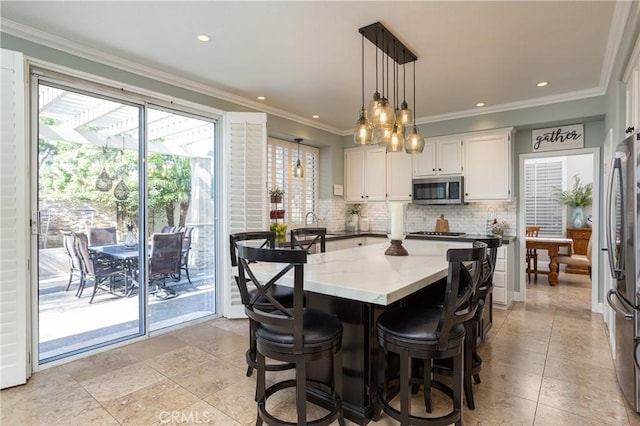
<point>298,171</point>
<point>389,121</point>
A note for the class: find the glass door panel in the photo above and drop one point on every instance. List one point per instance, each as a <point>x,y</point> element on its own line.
<point>180,200</point>
<point>88,174</point>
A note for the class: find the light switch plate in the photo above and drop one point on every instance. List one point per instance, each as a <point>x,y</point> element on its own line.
<point>337,189</point>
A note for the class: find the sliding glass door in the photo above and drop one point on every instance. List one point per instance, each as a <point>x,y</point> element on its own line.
<point>105,222</point>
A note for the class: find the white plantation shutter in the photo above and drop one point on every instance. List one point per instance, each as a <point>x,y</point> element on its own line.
<point>300,194</point>
<point>245,170</point>
<point>14,233</point>
<point>541,177</point>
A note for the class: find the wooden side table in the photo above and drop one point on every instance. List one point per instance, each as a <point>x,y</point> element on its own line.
<point>580,237</point>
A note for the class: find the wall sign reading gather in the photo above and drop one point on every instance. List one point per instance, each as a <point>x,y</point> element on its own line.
<point>557,138</point>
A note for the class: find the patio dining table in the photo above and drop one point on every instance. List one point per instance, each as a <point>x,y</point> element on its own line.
<point>129,258</point>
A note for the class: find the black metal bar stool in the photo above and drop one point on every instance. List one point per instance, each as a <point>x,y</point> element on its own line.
<point>427,334</point>
<point>283,295</point>
<point>295,335</point>
<point>306,238</point>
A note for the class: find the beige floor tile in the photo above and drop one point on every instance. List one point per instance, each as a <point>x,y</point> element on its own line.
<point>549,416</point>
<point>197,413</point>
<point>179,360</point>
<point>581,373</point>
<point>634,418</point>
<point>150,404</point>
<point>97,365</point>
<point>494,407</point>
<point>209,377</point>
<point>153,347</point>
<point>583,400</point>
<point>531,362</point>
<point>506,341</point>
<point>509,379</point>
<point>123,381</point>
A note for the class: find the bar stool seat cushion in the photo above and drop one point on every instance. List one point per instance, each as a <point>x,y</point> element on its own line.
<point>318,328</point>
<point>417,324</point>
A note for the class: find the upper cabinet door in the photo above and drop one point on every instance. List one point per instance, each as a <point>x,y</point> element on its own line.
<point>399,176</point>
<point>375,174</point>
<point>441,157</point>
<point>487,167</point>
<point>424,164</point>
<point>354,163</point>
<point>450,156</point>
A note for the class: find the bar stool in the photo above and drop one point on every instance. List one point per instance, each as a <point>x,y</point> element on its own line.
<point>472,360</point>
<point>299,335</point>
<point>280,294</point>
<point>313,236</point>
<point>428,334</point>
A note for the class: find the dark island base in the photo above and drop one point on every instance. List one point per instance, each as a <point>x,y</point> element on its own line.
<point>361,372</point>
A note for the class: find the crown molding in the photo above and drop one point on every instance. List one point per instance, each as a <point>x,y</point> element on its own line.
<point>616,32</point>
<point>85,52</point>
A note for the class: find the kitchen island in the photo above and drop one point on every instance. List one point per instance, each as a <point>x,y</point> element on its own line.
<point>357,285</point>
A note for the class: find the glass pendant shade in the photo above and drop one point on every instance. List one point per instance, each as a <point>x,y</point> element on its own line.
<point>298,172</point>
<point>364,130</point>
<point>121,191</point>
<point>414,143</point>
<point>405,116</point>
<point>382,135</point>
<point>396,140</point>
<point>103,182</point>
<point>373,109</point>
<point>383,115</point>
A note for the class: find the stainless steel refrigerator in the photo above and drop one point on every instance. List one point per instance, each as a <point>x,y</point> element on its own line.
<point>623,248</point>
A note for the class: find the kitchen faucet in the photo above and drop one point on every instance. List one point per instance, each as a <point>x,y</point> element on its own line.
<point>313,216</point>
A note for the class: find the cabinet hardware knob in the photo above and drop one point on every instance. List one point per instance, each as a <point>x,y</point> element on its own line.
<point>439,170</point>
<point>433,170</point>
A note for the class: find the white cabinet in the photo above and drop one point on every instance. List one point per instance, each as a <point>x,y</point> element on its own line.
<point>365,174</point>
<point>503,275</point>
<point>487,166</point>
<point>441,157</point>
<point>399,176</point>
<point>345,243</point>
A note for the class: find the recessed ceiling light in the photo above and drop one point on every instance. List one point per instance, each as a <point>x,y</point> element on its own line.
<point>261,98</point>
<point>480,104</point>
<point>315,116</point>
<point>542,83</point>
<point>203,37</point>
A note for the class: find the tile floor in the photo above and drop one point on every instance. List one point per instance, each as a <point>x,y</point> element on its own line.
<point>547,362</point>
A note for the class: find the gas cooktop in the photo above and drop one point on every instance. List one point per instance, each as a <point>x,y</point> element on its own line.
<point>439,234</point>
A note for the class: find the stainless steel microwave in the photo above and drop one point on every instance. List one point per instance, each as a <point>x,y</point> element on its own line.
<point>439,190</point>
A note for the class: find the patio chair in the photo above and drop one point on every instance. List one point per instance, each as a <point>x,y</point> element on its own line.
<point>75,264</point>
<point>166,255</point>
<point>102,236</point>
<point>103,274</point>
<point>186,248</point>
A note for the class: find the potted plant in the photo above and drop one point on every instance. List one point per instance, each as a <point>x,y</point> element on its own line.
<point>353,214</point>
<point>276,194</point>
<point>578,197</point>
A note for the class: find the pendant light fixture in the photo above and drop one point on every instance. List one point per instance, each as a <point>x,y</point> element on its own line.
<point>414,143</point>
<point>121,191</point>
<point>298,171</point>
<point>364,130</point>
<point>104,181</point>
<point>389,122</point>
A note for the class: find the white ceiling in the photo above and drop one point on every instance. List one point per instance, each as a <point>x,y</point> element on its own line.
<point>305,57</point>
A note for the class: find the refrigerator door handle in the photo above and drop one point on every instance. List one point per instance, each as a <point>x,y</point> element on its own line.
<point>628,313</point>
<point>635,354</point>
<point>615,272</point>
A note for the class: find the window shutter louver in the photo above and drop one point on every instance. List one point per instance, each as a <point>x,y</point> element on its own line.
<point>247,196</point>
<point>540,208</point>
<point>14,360</point>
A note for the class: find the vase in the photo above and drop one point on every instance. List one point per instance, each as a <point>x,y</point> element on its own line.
<point>577,217</point>
<point>130,240</point>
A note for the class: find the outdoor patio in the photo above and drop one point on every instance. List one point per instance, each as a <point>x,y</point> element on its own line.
<point>68,323</point>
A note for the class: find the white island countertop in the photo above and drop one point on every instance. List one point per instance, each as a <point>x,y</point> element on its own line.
<point>365,274</point>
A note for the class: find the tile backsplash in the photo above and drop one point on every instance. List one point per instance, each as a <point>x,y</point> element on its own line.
<point>470,218</point>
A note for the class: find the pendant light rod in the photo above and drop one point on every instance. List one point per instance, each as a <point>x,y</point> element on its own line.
<point>362,72</point>
<point>378,34</point>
